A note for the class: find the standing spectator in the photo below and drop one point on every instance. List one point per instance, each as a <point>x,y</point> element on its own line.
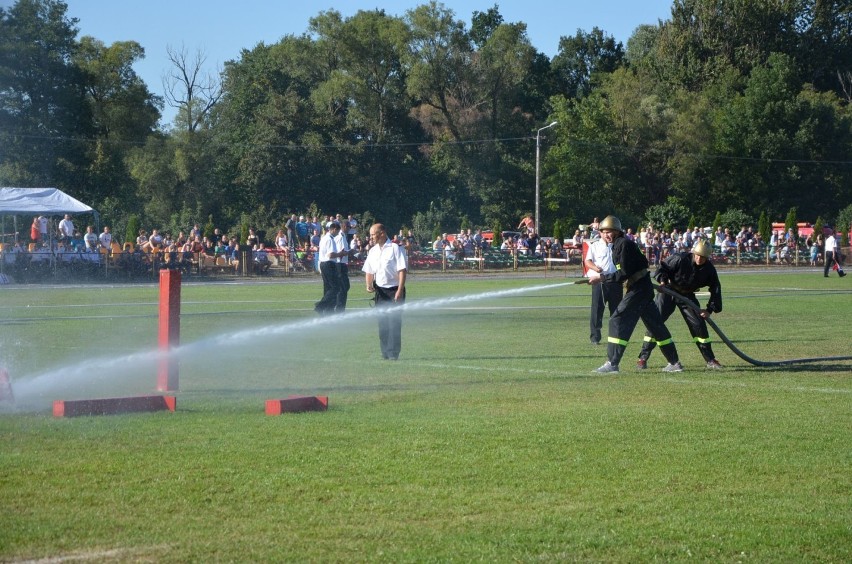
<point>816,249</point>
<point>685,273</point>
<point>302,232</point>
<point>386,269</point>
<point>105,238</point>
<point>290,226</point>
<point>35,231</point>
<point>638,302</point>
<point>252,239</point>
<point>599,261</point>
<point>42,228</point>
<point>66,230</point>
<point>351,228</point>
<point>833,257</point>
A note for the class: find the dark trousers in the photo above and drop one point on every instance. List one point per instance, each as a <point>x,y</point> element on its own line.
<point>342,286</point>
<point>603,294</point>
<point>830,258</point>
<point>638,303</point>
<point>390,321</point>
<point>330,283</point>
<point>697,326</point>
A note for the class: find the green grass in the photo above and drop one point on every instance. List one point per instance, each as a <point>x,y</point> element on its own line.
<point>489,440</point>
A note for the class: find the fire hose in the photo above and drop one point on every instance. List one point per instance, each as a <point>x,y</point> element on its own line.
<point>682,300</point>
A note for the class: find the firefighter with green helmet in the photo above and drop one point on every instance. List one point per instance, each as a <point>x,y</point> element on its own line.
<point>631,269</point>
<point>685,273</point>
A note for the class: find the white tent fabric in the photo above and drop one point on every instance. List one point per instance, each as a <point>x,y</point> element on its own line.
<point>50,201</point>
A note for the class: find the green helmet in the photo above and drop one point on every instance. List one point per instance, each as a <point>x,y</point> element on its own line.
<point>702,249</point>
<point>612,223</point>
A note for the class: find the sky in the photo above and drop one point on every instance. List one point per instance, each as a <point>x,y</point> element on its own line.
<point>222,29</point>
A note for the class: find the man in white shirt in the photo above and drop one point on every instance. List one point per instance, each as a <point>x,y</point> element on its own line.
<point>66,229</point>
<point>341,243</point>
<point>599,261</point>
<point>91,240</point>
<point>832,254</point>
<point>105,238</point>
<point>386,268</point>
<point>328,254</point>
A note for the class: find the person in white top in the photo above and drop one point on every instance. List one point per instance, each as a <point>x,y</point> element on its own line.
<point>329,252</point>
<point>66,229</point>
<point>599,261</point>
<point>833,255</point>
<point>105,238</point>
<point>91,240</point>
<point>341,243</point>
<point>386,269</point>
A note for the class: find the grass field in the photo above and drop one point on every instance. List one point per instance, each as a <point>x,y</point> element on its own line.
<point>489,440</point>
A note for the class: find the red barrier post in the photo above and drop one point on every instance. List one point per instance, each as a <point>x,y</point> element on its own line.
<point>169,330</point>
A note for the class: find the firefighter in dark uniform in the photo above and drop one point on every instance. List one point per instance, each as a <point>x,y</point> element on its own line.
<point>685,273</point>
<point>631,268</point>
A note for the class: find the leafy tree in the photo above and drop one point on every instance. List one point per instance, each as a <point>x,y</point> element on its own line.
<point>132,229</point>
<point>42,98</point>
<point>581,57</point>
<point>733,219</point>
<point>671,214</point>
<point>791,222</point>
<point>763,226</point>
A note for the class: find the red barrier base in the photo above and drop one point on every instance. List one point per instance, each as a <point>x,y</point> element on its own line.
<point>296,404</point>
<point>112,406</point>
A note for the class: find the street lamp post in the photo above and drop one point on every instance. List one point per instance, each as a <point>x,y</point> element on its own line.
<point>538,173</point>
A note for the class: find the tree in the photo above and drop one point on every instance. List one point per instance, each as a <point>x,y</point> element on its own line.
<point>123,111</point>
<point>581,57</point>
<point>189,88</point>
<point>764,226</point>
<point>438,71</point>
<point>42,100</point>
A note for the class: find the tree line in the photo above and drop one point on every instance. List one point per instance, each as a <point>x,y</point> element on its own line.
<point>729,108</point>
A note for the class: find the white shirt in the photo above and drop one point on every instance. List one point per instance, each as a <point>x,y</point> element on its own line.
<point>341,244</point>
<point>42,224</point>
<point>385,262</point>
<point>91,241</point>
<point>831,244</point>
<point>600,253</point>
<point>105,239</point>
<point>66,227</point>
<point>327,245</point>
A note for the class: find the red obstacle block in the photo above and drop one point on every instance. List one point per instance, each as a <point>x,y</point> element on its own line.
<point>112,406</point>
<point>296,404</point>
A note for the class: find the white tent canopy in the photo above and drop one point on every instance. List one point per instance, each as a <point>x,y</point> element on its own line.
<point>49,201</point>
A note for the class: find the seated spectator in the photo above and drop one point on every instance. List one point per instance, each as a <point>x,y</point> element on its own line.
<point>261,258</point>
<point>90,240</point>
<point>524,244</point>
<point>78,244</point>
<point>730,246</point>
